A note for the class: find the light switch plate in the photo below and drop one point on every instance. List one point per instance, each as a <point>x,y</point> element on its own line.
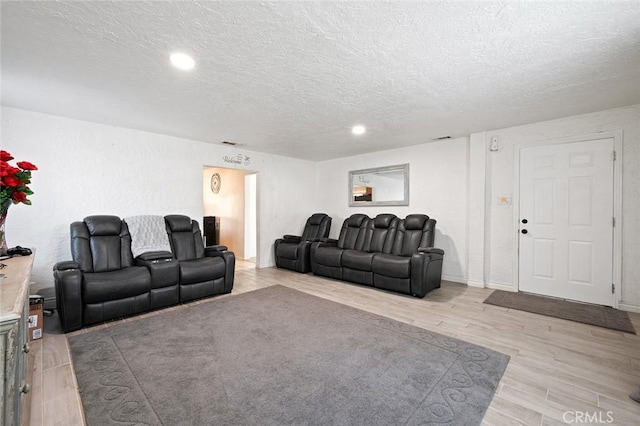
<point>504,200</point>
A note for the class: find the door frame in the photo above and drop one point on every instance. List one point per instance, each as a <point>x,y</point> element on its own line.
<point>206,189</point>
<point>617,202</point>
<point>255,200</point>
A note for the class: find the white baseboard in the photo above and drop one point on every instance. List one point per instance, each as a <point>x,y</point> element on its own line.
<point>501,286</point>
<point>473,283</point>
<point>454,279</point>
<point>629,308</point>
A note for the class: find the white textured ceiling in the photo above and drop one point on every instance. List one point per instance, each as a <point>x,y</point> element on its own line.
<point>291,78</point>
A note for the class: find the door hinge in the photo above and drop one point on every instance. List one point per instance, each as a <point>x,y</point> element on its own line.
<point>614,222</point>
<point>613,288</point>
<point>614,156</point>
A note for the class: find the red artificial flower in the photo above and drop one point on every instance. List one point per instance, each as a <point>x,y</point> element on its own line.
<point>25,165</point>
<point>14,181</point>
<point>19,197</point>
<point>11,181</point>
<point>8,170</point>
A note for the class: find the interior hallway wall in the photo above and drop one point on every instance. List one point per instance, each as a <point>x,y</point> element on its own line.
<point>228,205</point>
<point>89,168</point>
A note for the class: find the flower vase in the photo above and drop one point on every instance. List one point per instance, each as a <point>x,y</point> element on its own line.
<point>3,240</point>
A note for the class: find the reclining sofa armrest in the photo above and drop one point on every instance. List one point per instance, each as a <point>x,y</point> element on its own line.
<point>294,239</point>
<point>426,270</point>
<point>323,242</point>
<point>66,265</point>
<point>67,277</point>
<point>230,264</point>
<point>431,250</point>
<point>328,242</point>
<point>152,256</point>
<point>162,267</point>
<point>212,250</point>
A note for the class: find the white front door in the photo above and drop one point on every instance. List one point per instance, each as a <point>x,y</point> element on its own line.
<point>566,220</point>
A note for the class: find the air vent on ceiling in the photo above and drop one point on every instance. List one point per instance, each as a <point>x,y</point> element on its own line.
<point>441,138</point>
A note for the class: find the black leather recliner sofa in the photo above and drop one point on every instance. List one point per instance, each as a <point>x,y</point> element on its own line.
<point>105,282</point>
<point>293,251</point>
<point>384,252</point>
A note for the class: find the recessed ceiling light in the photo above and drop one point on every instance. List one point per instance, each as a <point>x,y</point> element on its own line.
<point>358,130</point>
<point>182,61</point>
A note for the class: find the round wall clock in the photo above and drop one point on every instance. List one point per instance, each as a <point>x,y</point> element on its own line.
<point>216,183</point>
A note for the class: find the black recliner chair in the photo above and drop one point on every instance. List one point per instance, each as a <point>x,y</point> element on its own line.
<point>292,251</point>
<point>102,282</point>
<point>204,271</point>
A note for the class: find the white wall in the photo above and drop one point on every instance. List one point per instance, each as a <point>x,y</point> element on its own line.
<point>477,226</point>
<point>438,188</point>
<point>87,168</point>
<point>496,171</point>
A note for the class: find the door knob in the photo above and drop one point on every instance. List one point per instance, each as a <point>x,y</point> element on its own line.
<point>525,221</point>
<point>524,231</point>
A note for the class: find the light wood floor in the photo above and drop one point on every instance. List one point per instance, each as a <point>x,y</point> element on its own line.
<point>560,371</point>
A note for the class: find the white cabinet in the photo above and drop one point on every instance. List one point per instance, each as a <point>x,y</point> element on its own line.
<point>14,345</point>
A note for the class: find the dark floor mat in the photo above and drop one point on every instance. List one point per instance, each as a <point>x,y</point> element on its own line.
<point>601,316</point>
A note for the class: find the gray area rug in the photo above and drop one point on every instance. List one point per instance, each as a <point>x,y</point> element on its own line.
<point>277,356</point>
<point>601,316</point>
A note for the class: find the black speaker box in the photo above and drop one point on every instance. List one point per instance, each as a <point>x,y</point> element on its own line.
<point>211,230</point>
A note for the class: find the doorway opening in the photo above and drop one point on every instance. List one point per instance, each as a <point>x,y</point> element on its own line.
<point>229,204</point>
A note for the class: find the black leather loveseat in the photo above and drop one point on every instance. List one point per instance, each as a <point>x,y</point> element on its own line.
<point>385,252</point>
<point>105,282</point>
